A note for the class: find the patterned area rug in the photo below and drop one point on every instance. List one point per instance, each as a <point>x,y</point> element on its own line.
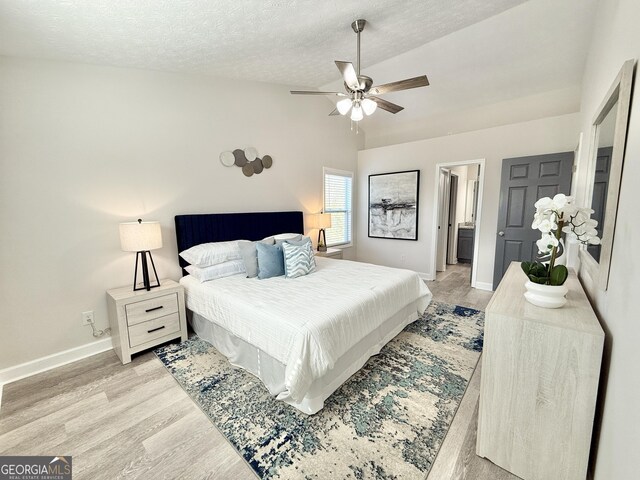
<point>386,422</point>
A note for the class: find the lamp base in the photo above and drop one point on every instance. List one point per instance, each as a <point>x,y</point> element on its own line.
<point>322,241</point>
<point>146,283</point>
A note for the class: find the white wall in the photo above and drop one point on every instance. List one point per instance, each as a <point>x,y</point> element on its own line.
<point>549,135</point>
<point>507,112</point>
<point>83,148</point>
<point>617,431</point>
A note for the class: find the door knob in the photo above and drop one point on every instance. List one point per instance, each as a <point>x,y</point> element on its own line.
<point>501,233</point>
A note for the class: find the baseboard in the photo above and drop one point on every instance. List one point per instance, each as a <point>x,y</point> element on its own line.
<point>426,276</point>
<point>484,286</point>
<point>17,372</point>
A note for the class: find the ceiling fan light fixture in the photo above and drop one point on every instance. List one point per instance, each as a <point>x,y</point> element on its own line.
<point>344,106</point>
<point>361,96</point>
<point>369,106</point>
<point>356,113</point>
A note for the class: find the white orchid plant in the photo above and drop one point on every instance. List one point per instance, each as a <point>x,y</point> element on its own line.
<point>553,217</point>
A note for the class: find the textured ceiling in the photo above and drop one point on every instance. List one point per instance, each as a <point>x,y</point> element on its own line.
<point>289,42</point>
<point>536,50</point>
<point>490,62</point>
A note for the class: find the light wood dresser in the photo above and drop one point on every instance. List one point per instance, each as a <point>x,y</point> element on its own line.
<point>144,319</point>
<point>540,370</point>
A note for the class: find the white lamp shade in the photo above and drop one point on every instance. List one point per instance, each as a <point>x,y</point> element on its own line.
<point>324,220</point>
<point>343,106</point>
<point>140,236</point>
<point>369,106</point>
<point>320,220</point>
<point>356,113</point>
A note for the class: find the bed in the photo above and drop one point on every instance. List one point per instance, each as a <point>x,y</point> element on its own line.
<point>302,337</point>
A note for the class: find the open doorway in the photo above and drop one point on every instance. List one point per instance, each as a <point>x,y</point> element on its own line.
<point>457,219</point>
<point>448,212</point>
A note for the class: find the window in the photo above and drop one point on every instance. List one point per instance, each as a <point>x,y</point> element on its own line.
<point>338,192</point>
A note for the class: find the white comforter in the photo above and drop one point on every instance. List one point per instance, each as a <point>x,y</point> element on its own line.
<point>308,322</point>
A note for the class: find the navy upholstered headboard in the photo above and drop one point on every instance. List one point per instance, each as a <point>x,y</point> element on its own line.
<point>221,227</point>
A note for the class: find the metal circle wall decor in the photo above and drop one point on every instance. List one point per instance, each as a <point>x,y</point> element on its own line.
<point>227,158</point>
<point>257,166</point>
<point>248,170</point>
<point>247,160</point>
<point>250,154</point>
<point>241,160</point>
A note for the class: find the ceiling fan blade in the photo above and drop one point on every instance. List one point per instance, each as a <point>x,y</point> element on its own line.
<point>348,74</point>
<point>388,106</point>
<point>415,82</point>
<point>334,112</point>
<point>312,92</point>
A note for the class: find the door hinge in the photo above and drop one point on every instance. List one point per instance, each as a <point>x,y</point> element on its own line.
<point>574,169</point>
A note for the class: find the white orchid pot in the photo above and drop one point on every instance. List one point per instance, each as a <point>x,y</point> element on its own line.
<point>546,296</point>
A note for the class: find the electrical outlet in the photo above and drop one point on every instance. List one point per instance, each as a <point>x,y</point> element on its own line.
<point>87,317</point>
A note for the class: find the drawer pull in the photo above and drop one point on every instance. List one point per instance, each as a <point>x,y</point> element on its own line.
<point>155,329</point>
<point>154,308</point>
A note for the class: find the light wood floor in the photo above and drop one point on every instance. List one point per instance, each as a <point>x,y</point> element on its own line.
<point>135,421</point>
<point>456,459</point>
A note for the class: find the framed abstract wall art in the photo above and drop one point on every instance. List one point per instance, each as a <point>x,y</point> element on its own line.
<point>393,205</point>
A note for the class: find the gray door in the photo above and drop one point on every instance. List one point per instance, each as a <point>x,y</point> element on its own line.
<point>599,199</point>
<point>524,181</point>
<point>453,210</point>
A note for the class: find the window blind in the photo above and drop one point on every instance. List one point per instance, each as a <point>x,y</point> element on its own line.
<point>338,187</point>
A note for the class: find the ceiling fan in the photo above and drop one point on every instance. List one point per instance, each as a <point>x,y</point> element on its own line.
<point>360,97</point>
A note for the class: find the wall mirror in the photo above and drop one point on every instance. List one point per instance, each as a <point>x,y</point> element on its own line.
<point>606,153</point>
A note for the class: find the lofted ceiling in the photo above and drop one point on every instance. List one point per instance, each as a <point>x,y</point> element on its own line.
<point>489,61</point>
<point>292,42</point>
<point>524,63</point>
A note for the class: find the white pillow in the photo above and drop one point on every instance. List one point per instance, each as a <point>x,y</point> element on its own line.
<point>207,254</point>
<point>214,272</point>
<point>288,236</point>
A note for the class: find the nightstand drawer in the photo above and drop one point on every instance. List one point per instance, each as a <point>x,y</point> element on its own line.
<point>149,309</point>
<point>149,331</point>
<point>141,320</point>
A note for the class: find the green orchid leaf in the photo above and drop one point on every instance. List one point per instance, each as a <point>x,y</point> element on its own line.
<point>539,270</point>
<point>527,266</point>
<point>539,280</point>
<point>558,275</point>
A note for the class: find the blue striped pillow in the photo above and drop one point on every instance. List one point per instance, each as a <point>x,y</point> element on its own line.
<point>298,259</point>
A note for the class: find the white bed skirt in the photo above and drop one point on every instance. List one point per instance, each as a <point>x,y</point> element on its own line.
<point>272,372</point>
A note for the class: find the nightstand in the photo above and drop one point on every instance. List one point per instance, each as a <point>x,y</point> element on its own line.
<point>144,319</point>
<point>330,253</point>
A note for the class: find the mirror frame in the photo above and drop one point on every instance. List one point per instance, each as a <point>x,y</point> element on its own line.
<point>620,93</point>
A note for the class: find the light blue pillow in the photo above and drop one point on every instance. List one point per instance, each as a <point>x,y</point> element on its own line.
<point>298,259</point>
<point>250,255</point>
<point>270,261</point>
<point>290,237</point>
<point>299,243</point>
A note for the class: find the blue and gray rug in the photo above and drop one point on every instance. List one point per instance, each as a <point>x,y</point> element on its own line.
<point>386,422</point>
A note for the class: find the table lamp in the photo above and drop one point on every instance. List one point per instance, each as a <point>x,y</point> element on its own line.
<point>321,221</point>
<point>141,237</point>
